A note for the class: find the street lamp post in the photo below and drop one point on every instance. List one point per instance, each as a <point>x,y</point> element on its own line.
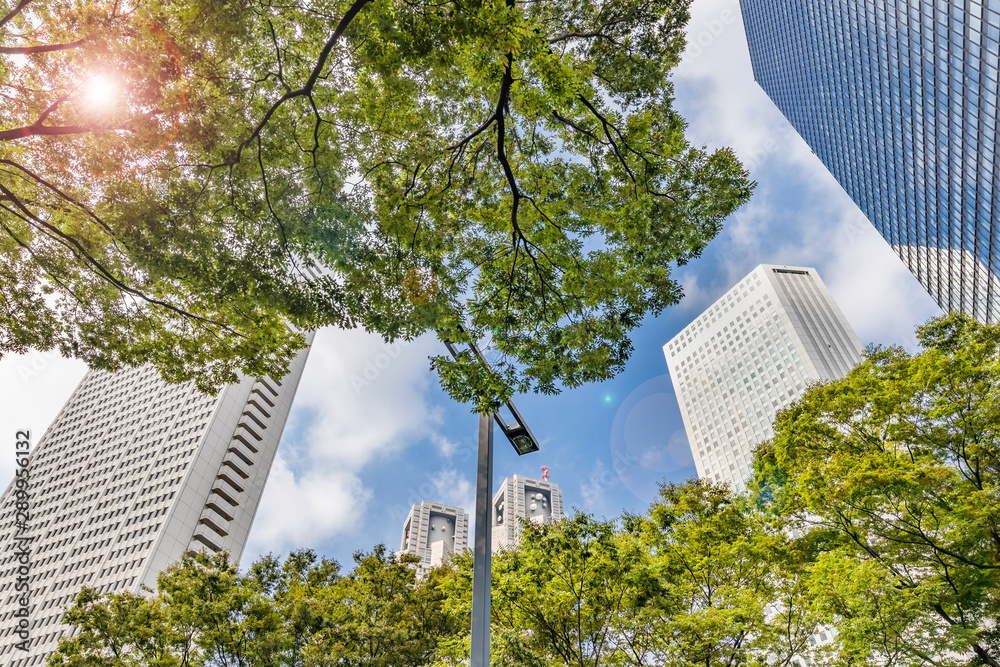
<point>481,567</point>
<point>524,442</point>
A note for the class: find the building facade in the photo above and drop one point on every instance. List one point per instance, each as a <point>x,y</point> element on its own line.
<point>523,499</point>
<point>433,532</point>
<point>131,474</point>
<point>752,353</point>
<point>899,99</point>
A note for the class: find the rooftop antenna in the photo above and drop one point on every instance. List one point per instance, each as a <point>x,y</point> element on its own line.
<point>545,473</point>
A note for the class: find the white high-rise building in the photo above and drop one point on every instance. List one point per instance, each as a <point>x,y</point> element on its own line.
<point>750,355</point>
<point>131,474</point>
<point>523,499</point>
<point>433,532</point>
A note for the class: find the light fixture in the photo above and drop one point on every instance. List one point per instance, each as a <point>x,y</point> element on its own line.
<point>518,433</point>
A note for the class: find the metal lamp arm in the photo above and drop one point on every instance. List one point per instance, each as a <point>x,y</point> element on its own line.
<point>518,433</point>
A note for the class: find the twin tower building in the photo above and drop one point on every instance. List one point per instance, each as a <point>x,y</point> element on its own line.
<point>433,531</point>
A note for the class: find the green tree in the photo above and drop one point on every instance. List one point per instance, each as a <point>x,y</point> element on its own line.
<point>516,167</point>
<point>702,578</point>
<point>734,586</point>
<point>122,630</point>
<point>561,596</point>
<point>380,615</point>
<point>204,613</point>
<point>296,613</point>
<point>896,468</point>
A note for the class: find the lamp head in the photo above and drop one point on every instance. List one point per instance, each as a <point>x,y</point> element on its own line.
<point>520,437</point>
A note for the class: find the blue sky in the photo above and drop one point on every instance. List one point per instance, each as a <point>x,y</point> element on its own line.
<point>371,432</point>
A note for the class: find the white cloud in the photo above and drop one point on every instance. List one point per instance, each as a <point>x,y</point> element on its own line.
<point>303,511</point>
<point>594,489</point>
<point>447,446</point>
<point>878,294</point>
<point>718,94</point>
<point>453,488</point>
<point>365,396</point>
<point>359,400</point>
<point>33,388</point>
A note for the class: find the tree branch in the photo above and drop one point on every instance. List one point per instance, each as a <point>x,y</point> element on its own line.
<point>50,186</point>
<point>305,90</point>
<point>28,50</point>
<point>14,12</point>
<point>34,256</point>
<point>583,35</point>
<point>607,133</point>
<point>502,99</point>
<point>77,249</point>
<point>581,130</point>
<point>37,130</point>
<point>982,654</point>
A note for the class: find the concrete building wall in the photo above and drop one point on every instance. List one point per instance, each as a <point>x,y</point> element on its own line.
<point>523,499</point>
<point>124,481</point>
<point>751,354</point>
<point>433,532</point>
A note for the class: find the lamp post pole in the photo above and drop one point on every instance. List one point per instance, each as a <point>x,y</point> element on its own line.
<point>524,442</point>
<point>481,568</point>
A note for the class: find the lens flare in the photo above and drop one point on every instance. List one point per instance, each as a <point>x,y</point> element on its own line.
<point>100,91</point>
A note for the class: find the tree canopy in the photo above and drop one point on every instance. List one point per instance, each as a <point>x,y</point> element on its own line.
<point>192,184</point>
<point>895,472</point>
<point>700,579</point>
<point>869,539</point>
<point>300,611</point>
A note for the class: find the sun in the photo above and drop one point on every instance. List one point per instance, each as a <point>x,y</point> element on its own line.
<point>100,91</point>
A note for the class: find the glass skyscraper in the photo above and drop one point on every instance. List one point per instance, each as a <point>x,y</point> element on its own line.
<point>899,99</point>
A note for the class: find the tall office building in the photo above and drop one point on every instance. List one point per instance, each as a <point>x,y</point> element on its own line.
<point>131,474</point>
<point>899,99</point>
<point>433,532</point>
<point>752,353</point>
<point>523,499</point>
